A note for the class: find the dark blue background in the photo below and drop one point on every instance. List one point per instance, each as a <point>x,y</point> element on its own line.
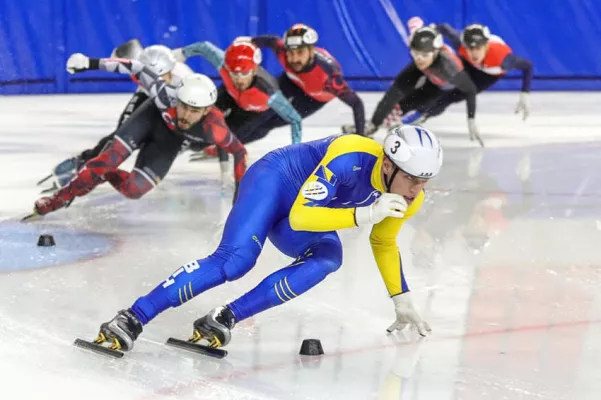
<point>561,37</point>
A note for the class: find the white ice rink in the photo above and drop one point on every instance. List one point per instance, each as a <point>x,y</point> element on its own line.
<point>504,261</point>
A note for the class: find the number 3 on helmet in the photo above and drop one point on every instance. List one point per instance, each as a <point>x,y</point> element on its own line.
<point>414,150</point>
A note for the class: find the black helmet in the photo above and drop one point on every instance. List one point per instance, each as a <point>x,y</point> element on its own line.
<point>475,35</point>
<point>425,39</point>
<point>300,35</point>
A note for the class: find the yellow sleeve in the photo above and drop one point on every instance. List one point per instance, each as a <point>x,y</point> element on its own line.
<point>305,215</point>
<point>386,252</point>
<point>318,219</point>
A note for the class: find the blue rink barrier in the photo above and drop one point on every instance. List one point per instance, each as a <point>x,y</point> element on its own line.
<point>367,38</point>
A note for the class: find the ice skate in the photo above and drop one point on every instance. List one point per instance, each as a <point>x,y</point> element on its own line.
<point>215,327</point>
<point>45,205</point>
<point>122,331</point>
<point>62,174</point>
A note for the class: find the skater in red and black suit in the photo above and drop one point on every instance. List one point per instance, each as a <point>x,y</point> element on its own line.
<point>312,76</point>
<point>486,59</point>
<point>171,119</point>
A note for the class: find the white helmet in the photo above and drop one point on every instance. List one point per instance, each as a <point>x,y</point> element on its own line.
<point>159,58</point>
<point>414,150</point>
<point>197,90</point>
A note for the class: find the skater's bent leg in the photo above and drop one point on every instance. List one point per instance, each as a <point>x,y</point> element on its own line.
<point>94,170</point>
<point>132,185</point>
<point>310,268</point>
<point>258,207</point>
<point>152,165</point>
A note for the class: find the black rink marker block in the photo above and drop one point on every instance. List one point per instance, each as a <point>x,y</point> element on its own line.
<point>311,347</point>
<point>46,240</point>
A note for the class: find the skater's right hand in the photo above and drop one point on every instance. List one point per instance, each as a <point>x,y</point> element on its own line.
<point>388,205</point>
<point>473,130</point>
<point>522,106</point>
<point>77,62</point>
<point>406,314</point>
<point>227,179</point>
<point>414,23</point>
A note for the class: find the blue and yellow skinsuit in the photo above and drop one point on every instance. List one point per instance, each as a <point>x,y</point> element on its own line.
<point>298,196</point>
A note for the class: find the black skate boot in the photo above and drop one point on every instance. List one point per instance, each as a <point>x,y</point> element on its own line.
<point>121,331</point>
<point>215,327</point>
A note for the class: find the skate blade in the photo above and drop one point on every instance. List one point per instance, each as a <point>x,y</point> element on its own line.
<point>196,348</point>
<point>30,216</point>
<point>97,348</point>
<point>201,158</point>
<point>44,180</point>
<point>51,189</point>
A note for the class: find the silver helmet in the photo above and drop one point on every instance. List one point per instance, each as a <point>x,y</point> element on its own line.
<point>159,58</point>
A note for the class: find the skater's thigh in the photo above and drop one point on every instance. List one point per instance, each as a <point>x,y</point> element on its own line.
<point>158,153</point>
<point>260,204</point>
<point>294,243</point>
<point>134,103</point>
<point>137,128</point>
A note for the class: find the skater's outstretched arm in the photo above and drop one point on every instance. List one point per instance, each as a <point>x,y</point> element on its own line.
<point>401,87</point>
<point>284,109</point>
<point>336,85</point>
<point>225,139</point>
<point>511,61</point>
<point>463,82</point>
<point>208,50</point>
<point>273,42</point>
<point>162,92</point>
<point>450,34</point>
<point>385,249</point>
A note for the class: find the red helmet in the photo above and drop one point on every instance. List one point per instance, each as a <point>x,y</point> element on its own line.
<point>242,56</point>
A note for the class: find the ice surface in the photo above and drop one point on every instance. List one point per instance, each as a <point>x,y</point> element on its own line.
<point>503,260</point>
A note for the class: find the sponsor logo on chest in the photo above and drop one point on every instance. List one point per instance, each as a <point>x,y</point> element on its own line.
<point>315,191</point>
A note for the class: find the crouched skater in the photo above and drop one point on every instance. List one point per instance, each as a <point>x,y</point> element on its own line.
<point>298,196</point>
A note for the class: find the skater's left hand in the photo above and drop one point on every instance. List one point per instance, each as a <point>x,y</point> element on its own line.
<point>473,130</point>
<point>414,24</point>
<point>406,314</point>
<point>522,106</point>
<point>227,180</point>
<point>77,62</point>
